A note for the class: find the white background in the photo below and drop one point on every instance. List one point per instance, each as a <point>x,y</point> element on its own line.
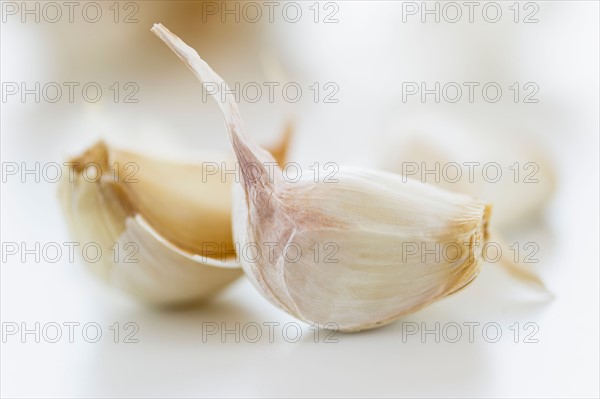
<point>368,53</point>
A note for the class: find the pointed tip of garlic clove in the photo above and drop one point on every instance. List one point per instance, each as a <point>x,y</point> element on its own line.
<point>252,158</point>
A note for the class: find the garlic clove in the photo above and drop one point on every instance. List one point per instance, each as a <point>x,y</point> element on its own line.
<point>163,228</point>
<point>366,227</point>
<point>369,216</point>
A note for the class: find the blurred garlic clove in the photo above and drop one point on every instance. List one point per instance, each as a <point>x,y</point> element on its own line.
<point>164,227</point>
<point>525,185</point>
<point>371,221</point>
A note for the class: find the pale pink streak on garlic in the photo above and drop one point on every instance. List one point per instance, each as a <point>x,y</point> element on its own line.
<point>258,186</point>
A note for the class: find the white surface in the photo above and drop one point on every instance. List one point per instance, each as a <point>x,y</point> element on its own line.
<point>560,53</point>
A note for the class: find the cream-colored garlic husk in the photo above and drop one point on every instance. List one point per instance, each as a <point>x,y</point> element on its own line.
<point>367,215</point>
<point>164,228</point>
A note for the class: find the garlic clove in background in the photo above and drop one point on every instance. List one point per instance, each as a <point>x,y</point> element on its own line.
<point>164,227</point>
<point>369,219</point>
<point>520,193</point>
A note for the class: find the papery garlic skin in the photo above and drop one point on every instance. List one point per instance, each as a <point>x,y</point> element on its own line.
<point>370,216</point>
<point>135,257</point>
<point>367,227</point>
<point>164,227</point>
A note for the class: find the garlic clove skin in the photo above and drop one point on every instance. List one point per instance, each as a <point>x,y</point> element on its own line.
<point>135,257</point>
<point>370,216</point>
<point>160,225</point>
<point>365,226</point>
<point>166,275</point>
